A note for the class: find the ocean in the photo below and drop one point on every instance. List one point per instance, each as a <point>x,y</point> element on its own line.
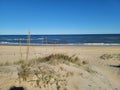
<point>76,39</point>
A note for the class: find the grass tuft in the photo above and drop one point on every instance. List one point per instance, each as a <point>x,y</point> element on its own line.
<point>23,72</point>
<point>19,62</point>
<point>59,58</point>
<point>110,56</point>
<point>106,56</point>
<point>5,64</point>
<point>85,62</point>
<point>90,70</point>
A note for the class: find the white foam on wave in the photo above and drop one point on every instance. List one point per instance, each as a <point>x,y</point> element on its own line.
<point>8,43</point>
<point>71,44</point>
<point>4,42</point>
<point>101,44</point>
<point>40,38</point>
<point>84,44</point>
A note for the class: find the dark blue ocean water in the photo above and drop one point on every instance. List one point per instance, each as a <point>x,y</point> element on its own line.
<point>86,39</point>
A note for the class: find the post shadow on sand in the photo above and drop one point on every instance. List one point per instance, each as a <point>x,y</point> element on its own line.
<point>115,66</point>
<point>17,88</point>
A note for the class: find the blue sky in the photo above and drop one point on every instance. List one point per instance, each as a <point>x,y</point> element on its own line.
<point>59,16</point>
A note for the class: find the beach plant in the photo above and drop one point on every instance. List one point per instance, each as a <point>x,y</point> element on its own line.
<point>5,64</point>
<point>23,72</point>
<point>106,56</point>
<point>20,44</point>
<point>28,46</point>
<point>24,69</point>
<point>50,59</point>
<point>1,64</point>
<point>110,56</point>
<point>69,74</point>
<point>19,62</point>
<point>59,58</point>
<point>88,69</point>
<point>85,62</point>
<point>116,56</point>
<point>45,76</point>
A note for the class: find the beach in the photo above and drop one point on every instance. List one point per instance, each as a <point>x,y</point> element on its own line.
<point>12,53</point>
<point>59,44</point>
<point>105,77</point>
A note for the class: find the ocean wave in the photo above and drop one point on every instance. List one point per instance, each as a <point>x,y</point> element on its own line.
<point>4,42</point>
<point>15,39</point>
<point>40,38</point>
<point>72,44</point>
<point>56,39</point>
<point>84,44</point>
<point>101,43</point>
<point>8,43</point>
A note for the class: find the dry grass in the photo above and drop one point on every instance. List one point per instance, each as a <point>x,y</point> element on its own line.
<point>23,72</point>
<point>110,56</point>
<point>59,58</point>
<point>51,59</point>
<point>88,69</point>
<point>45,76</point>
<point>24,69</point>
<point>85,62</point>
<point>19,62</point>
<point>5,64</point>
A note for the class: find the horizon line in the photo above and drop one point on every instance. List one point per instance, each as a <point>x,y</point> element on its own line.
<point>64,34</point>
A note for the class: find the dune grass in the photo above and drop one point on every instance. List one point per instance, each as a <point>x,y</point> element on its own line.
<point>5,64</point>
<point>59,58</point>
<point>19,62</point>
<point>23,72</point>
<point>110,56</point>
<point>88,69</point>
<point>85,62</point>
<point>50,59</point>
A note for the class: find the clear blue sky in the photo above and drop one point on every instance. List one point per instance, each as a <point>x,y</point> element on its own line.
<point>59,16</point>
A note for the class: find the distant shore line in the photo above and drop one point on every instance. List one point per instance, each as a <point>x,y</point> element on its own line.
<point>85,44</point>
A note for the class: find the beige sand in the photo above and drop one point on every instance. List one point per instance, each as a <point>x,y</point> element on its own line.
<point>106,78</point>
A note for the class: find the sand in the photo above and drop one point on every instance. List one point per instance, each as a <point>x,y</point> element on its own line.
<point>104,77</point>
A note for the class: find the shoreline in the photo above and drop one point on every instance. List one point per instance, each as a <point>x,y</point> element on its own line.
<point>62,45</point>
